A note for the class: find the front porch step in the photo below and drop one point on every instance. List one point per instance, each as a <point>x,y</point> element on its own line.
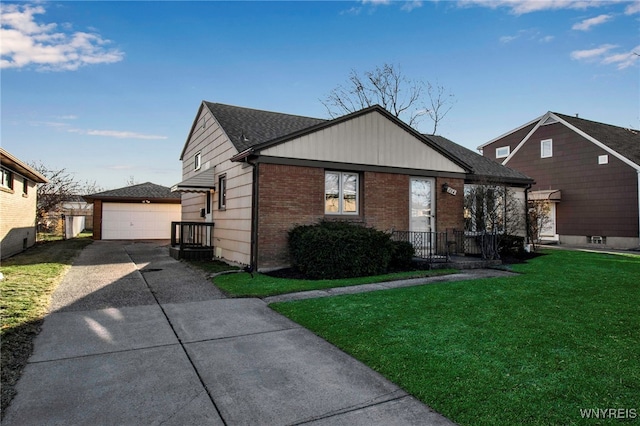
<point>191,253</point>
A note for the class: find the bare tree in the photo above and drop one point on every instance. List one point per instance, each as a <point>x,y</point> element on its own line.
<point>539,212</point>
<point>492,213</point>
<point>407,99</point>
<point>60,186</point>
<point>441,101</point>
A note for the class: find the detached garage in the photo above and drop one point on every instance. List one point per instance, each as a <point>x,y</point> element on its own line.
<point>138,212</point>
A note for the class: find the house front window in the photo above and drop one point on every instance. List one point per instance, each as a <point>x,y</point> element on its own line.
<point>197,161</point>
<point>546,148</point>
<point>341,193</point>
<point>25,186</point>
<point>7,179</point>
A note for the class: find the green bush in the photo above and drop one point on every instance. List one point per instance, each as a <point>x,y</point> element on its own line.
<point>402,255</point>
<point>511,246</point>
<point>331,250</point>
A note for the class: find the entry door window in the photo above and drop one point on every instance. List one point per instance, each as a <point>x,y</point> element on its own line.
<point>422,205</point>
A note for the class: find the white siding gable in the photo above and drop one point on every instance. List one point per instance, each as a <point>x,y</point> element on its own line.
<point>370,139</point>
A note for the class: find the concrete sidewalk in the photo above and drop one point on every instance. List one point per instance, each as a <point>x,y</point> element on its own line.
<point>135,338</point>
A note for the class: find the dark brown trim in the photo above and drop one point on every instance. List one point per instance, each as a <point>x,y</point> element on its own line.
<point>355,167</point>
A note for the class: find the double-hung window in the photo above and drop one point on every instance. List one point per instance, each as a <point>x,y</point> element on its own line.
<point>341,193</point>
<point>546,148</point>
<point>7,179</point>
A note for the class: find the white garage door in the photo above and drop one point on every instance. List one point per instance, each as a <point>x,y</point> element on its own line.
<point>129,221</point>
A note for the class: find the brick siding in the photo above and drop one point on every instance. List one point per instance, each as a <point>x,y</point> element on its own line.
<point>294,195</point>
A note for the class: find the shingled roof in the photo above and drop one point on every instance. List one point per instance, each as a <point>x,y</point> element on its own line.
<point>624,141</point>
<point>248,127</point>
<point>143,191</point>
<point>255,129</point>
<point>481,167</point>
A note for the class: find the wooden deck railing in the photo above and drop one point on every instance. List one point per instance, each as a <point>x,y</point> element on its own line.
<point>192,235</point>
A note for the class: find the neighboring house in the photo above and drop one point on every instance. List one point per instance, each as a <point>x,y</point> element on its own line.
<point>256,174</point>
<point>139,212</point>
<point>18,202</point>
<point>589,172</point>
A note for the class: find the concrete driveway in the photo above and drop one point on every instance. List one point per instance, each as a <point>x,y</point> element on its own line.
<point>135,338</point>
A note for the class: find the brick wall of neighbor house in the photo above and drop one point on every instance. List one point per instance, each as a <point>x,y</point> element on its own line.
<point>449,208</point>
<point>18,212</point>
<point>97,219</point>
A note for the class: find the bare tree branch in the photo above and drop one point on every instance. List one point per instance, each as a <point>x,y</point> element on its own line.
<point>409,100</point>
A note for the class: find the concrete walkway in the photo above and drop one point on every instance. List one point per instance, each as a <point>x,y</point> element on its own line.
<point>470,274</point>
<point>135,338</point>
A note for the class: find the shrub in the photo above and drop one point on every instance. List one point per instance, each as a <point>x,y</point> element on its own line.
<point>511,246</point>
<point>330,250</point>
<point>401,255</point>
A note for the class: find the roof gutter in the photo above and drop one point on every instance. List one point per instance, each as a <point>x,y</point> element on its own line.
<point>242,156</point>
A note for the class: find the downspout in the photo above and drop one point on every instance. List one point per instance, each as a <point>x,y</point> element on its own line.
<point>526,214</point>
<point>253,257</point>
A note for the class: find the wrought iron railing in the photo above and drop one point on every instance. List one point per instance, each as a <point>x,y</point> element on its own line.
<point>440,246</point>
<point>427,245</point>
<point>192,234</point>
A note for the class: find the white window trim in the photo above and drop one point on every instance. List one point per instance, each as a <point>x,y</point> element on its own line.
<point>341,194</point>
<point>542,143</point>
<point>508,148</point>
<point>197,161</point>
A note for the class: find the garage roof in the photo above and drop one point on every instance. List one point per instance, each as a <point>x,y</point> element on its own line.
<point>142,192</point>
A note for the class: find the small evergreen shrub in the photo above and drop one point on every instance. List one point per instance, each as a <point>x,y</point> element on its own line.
<point>402,255</point>
<point>511,246</point>
<point>331,250</point>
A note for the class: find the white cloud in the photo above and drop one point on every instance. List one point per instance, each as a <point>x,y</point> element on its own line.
<point>633,8</point>
<point>508,39</point>
<point>623,60</point>
<point>604,55</point>
<point>592,54</point>
<point>529,34</point>
<point>26,42</point>
<point>521,7</point>
<point>117,134</point>
<point>591,22</point>
<point>410,5</point>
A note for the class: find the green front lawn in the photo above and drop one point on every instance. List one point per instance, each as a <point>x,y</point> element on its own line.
<point>29,280</point>
<point>531,349</point>
<point>262,285</point>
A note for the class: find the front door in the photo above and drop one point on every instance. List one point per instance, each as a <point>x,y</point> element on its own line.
<point>422,210</point>
<point>548,231</point>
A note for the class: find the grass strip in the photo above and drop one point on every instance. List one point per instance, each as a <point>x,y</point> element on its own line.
<point>532,349</point>
<point>25,293</point>
<point>262,285</point>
